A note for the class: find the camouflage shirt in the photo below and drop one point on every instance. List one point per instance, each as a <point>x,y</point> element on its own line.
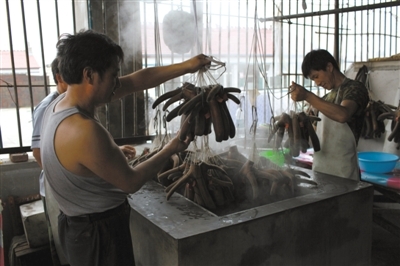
<point>357,92</point>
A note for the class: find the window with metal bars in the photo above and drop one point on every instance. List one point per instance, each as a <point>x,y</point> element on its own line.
<point>262,44</point>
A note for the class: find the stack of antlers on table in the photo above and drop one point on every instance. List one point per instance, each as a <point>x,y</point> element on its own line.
<point>299,129</point>
<point>201,107</point>
<point>228,178</point>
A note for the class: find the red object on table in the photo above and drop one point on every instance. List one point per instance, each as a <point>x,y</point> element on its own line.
<point>390,180</point>
<point>394,182</point>
<point>305,159</point>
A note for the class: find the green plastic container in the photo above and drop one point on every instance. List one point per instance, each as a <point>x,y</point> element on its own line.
<point>277,157</point>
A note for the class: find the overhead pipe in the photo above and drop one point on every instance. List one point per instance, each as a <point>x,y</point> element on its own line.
<point>332,11</point>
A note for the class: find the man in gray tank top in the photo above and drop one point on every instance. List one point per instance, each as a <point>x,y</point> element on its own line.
<point>85,170</point>
<point>38,113</point>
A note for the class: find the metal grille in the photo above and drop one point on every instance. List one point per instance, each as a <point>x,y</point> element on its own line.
<point>262,43</point>
<point>30,29</point>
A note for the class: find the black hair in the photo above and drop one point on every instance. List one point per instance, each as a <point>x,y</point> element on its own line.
<point>54,69</point>
<point>317,60</point>
<point>86,49</point>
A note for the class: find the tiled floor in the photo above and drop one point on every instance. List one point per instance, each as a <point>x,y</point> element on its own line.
<point>385,244</point>
<point>385,247</point>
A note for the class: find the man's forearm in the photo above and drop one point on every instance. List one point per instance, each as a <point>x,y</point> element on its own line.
<point>333,111</point>
<point>152,166</point>
<point>148,78</point>
<point>36,155</point>
<point>151,77</point>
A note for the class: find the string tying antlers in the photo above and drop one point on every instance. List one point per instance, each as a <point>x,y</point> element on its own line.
<point>253,93</point>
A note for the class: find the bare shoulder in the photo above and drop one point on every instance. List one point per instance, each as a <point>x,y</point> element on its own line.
<point>79,138</point>
<point>81,128</point>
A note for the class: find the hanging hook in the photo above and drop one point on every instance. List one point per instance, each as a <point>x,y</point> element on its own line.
<point>255,120</point>
<point>218,63</point>
<point>155,119</point>
<point>165,119</point>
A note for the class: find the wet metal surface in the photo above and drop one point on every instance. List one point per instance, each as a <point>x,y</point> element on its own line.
<point>329,224</point>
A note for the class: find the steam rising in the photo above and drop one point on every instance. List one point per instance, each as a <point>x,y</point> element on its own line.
<point>179,31</point>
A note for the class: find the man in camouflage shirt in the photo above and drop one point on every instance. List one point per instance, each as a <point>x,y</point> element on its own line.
<point>355,91</point>
<point>341,112</point>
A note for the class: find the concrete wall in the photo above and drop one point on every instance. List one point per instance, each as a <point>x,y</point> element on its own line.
<point>384,85</point>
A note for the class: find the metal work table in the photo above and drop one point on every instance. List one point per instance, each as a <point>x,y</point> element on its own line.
<point>386,203</point>
<point>386,208</point>
<point>330,224</point>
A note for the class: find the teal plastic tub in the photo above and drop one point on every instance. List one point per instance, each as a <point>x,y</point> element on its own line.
<point>377,162</point>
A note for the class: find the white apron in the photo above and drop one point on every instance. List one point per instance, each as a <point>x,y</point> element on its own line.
<point>338,154</point>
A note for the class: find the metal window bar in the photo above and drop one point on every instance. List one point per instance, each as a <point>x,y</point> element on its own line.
<point>16,84</point>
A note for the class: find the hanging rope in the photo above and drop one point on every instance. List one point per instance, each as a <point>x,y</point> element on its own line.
<point>253,97</point>
<point>159,124</point>
<point>197,26</point>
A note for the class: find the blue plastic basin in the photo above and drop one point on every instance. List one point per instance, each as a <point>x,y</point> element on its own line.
<point>377,162</point>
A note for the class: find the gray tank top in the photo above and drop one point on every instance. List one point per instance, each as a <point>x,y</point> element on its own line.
<point>75,195</point>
